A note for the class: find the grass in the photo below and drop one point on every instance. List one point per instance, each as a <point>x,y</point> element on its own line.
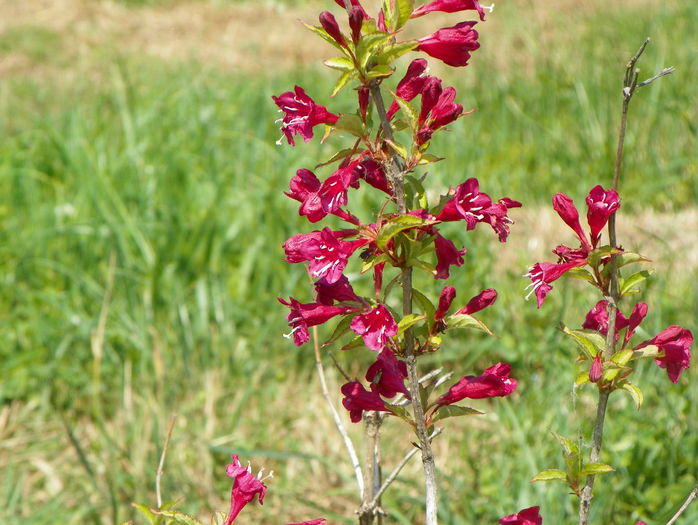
<point>147,193</point>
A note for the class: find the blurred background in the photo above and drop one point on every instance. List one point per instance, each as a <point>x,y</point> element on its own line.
<point>141,221</point>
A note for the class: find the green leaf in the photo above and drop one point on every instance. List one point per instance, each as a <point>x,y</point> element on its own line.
<point>417,194</point>
<point>399,411</point>
<point>625,258</point>
<point>404,10</point>
<point>390,14</point>
<point>599,253</point>
<point>407,322</point>
<point>589,341</point>
<point>356,342</point>
<point>147,512</point>
<point>425,305</point>
<point>466,321</point>
<point>325,36</point>
<point>350,123</point>
<point>367,44</point>
<point>626,286</point>
<point>428,158</point>
<point>652,351</point>
<point>340,63</point>
<point>621,358</point>
<point>454,411</point>
<point>178,517</point>
<point>343,79</point>
<point>409,113</point>
<point>581,273</point>
<point>339,330</point>
<point>582,378</point>
<point>380,71</point>
<point>372,261</point>
<point>395,51</point>
<point>342,154</point>
<point>635,393</point>
<point>593,469</point>
<point>552,474</point>
<point>398,148</point>
<point>395,226</point>
<point>569,447</point>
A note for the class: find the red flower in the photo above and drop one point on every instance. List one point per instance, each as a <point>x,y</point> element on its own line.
<point>449,6</point>
<point>355,4</point>
<point>602,204</point>
<point>438,109</point>
<point>445,299</point>
<point>304,315</point>
<point>411,84</point>
<point>564,206</point>
<point>324,250</point>
<point>372,172</point>
<point>340,291</point>
<point>494,382</point>
<point>375,326</point>
<point>467,204</point>
<point>245,488</point>
<point>481,301</point>
<point>446,255</point>
<point>357,399</point>
<point>597,319</point>
<point>301,114</point>
<point>452,45</point>
<point>329,24</point>
<point>596,369</point>
<point>542,274</point>
<point>676,343</point>
<point>387,375</point>
<point>529,516</point>
<point>496,216</point>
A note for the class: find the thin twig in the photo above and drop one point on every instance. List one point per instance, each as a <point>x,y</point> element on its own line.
<point>396,471</point>
<point>693,495</point>
<point>161,465</point>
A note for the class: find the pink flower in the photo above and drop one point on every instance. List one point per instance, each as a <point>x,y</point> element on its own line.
<point>340,291</point>
<point>355,4</point>
<point>449,6</point>
<point>481,301</point>
<point>564,206</point>
<point>636,316</point>
<point>387,375</point>
<point>245,488</point>
<point>675,342</point>
<point>496,216</point>
<point>411,84</point>
<point>452,45</point>
<point>542,274</point>
<point>372,172</point>
<point>597,319</point>
<point>601,205</point>
<point>329,24</point>
<point>596,369</point>
<point>357,399</point>
<point>301,114</point>
<point>529,516</point>
<point>304,315</point>
<point>446,255</point>
<point>327,254</point>
<point>375,326</point>
<point>494,382</point>
<point>438,109</point>
<point>445,299</point>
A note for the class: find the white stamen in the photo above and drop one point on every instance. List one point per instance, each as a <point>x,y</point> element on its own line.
<point>488,8</point>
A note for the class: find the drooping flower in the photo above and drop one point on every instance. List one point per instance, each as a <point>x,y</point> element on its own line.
<point>357,399</point>
<point>449,6</point>
<point>542,274</point>
<point>601,205</point>
<point>481,301</point>
<point>675,342</point>
<point>245,488</point>
<point>375,326</point>
<point>340,291</point>
<point>529,516</point>
<point>446,255</point>
<point>494,382</point>
<point>303,316</point>
<point>565,208</point>
<point>372,172</point>
<point>327,254</point>
<point>301,114</point>
<point>452,45</point>
<point>387,375</point>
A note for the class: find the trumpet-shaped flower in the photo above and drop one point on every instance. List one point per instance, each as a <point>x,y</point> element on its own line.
<point>542,274</point>
<point>303,316</point>
<point>301,114</point>
<point>375,326</point>
<point>245,487</point>
<point>481,301</point>
<point>446,255</point>
<point>449,6</point>
<point>357,399</point>
<point>452,45</point>
<point>601,205</point>
<point>387,375</point>
<point>494,382</point>
<point>675,343</point>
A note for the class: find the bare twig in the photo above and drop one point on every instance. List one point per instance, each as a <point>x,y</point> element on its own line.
<point>693,495</point>
<point>161,465</point>
<point>348,445</point>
